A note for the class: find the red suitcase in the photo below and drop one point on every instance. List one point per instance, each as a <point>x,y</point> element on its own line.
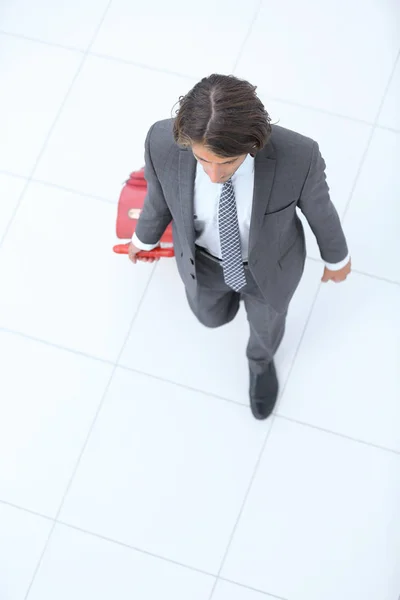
<point>129,207</point>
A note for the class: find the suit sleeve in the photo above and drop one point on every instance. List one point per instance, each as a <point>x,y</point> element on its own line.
<point>155,215</point>
<point>322,216</point>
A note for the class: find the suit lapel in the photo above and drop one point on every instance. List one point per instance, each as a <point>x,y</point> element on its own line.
<point>186,179</point>
<point>264,172</point>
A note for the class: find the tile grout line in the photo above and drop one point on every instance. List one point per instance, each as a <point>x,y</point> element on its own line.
<point>303,334</point>
<point>50,131</point>
<point>363,273</point>
<point>337,434</point>
<point>116,365</point>
<point>85,54</point>
<point>144,67</point>
<point>345,212</point>
<point>298,348</point>
<point>242,507</point>
<point>273,418</point>
<point>246,587</point>
<point>113,203</point>
<point>100,536</point>
<point>62,188</point>
<point>246,37</point>
<point>119,365</point>
<point>267,436</point>
<point>322,111</point>
<point>78,71</point>
<point>91,427</point>
<point>126,545</point>
<point>76,192</point>
<point>27,38</point>
<point>34,513</point>
<point>139,550</point>
<point>133,548</point>
<point>195,78</point>
<point>192,389</point>
<point>371,135</point>
<point>275,415</point>
<point>393,130</point>
<point>188,387</point>
<point>14,175</point>
<point>29,179</point>
<point>57,346</point>
<point>95,54</point>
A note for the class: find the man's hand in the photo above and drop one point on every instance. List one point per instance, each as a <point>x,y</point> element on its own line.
<point>336,276</point>
<point>133,252</point>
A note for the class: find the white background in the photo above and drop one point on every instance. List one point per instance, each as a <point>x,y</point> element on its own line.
<point>130,463</point>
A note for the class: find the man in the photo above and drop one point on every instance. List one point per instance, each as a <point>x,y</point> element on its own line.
<point>230,183</point>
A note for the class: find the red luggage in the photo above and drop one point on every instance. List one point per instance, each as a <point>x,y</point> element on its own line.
<point>129,207</point>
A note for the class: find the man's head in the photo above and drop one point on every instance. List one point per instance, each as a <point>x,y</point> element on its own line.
<point>222,120</point>
<point>217,168</point>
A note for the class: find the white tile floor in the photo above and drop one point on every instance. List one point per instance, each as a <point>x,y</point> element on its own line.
<point>130,464</point>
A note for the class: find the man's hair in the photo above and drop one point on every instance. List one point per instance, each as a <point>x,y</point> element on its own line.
<point>223,113</point>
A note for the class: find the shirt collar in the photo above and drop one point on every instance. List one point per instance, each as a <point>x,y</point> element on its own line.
<point>246,167</point>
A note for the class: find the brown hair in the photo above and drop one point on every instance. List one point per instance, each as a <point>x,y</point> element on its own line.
<point>223,113</point>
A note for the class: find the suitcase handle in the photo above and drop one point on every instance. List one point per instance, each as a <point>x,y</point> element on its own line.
<point>155,253</point>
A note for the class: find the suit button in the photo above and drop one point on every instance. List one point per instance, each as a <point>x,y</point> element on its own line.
<point>181,254</point>
<point>192,261</point>
<point>192,276</point>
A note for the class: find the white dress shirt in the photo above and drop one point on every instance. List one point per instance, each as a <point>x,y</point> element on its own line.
<point>206,200</point>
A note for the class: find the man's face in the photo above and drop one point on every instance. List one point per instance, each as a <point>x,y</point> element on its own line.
<point>218,169</point>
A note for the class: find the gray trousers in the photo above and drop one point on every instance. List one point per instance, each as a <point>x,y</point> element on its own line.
<point>216,304</point>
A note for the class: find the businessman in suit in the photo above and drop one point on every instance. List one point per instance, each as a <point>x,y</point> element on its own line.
<point>230,183</point>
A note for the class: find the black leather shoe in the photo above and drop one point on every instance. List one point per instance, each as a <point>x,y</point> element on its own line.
<point>263,392</point>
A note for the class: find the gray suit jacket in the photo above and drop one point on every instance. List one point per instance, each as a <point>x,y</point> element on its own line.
<point>289,173</point>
